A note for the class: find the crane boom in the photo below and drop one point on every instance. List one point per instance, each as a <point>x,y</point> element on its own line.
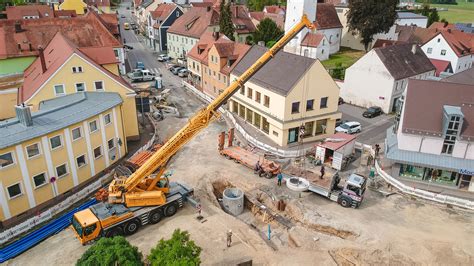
<point>198,121</point>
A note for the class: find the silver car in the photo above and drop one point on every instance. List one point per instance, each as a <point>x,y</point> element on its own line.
<point>183,72</point>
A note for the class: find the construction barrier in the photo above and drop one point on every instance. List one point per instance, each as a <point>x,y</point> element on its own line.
<point>445,199</point>
<point>248,137</point>
<point>47,215</point>
<point>16,248</point>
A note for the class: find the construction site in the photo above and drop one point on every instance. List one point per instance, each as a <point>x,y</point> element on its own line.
<point>200,175</point>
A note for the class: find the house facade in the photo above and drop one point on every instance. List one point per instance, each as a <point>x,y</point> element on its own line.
<point>315,45</point>
<point>387,69</point>
<point>62,146</point>
<point>288,93</point>
<point>63,69</point>
<point>432,141</point>
<point>77,5</point>
<point>159,22</point>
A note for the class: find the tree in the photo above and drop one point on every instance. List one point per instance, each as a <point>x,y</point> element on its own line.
<point>338,72</point>
<point>267,31</point>
<point>258,5</point>
<point>114,251</point>
<point>369,17</point>
<point>179,250</point>
<point>433,17</point>
<point>226,26</point>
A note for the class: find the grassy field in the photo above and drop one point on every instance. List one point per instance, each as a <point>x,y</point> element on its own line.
<point>462,12</point>
<point>345,56</point>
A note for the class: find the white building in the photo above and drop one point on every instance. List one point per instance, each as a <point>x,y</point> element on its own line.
<point>315,45</point>
<point>158,23</point>
<point>380,76</point>
<point>295,10</point>
<point>433,140</point>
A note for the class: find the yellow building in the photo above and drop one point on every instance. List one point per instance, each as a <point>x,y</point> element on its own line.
<point>9,85</point>
<point>63,145</point>
<point>289,92</point>
<point>78,5</point>
<point>63,69</point>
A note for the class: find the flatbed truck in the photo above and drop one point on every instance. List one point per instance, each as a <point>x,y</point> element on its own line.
<point>109,220</point>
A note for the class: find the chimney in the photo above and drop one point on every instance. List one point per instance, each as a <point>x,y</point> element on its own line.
<point>208,8</point>
<point>30,47</point>
<point>18,27</point>
<point>19,46</point>
<point>23,113</point>
<point>43,60</point>
<point>384,45</point>
<point>413,48</point>
<point>449,30</point>
<point>216,35</point>
<point>445,24</point>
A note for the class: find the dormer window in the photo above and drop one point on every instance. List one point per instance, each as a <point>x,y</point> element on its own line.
<point>452,124</point>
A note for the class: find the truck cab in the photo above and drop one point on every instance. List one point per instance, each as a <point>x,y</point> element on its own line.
<point>353,191</point>
<point>86,226</point>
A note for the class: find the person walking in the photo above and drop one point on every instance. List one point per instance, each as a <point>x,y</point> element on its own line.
<point>377,150</point>
<point>322,171</point>
<point>279,177</point>
<point>229,238</point>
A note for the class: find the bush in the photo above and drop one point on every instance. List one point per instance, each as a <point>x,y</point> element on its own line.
<point>114,251</point>
<point>179,250</point>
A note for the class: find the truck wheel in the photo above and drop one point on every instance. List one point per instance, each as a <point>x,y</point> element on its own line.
<point>345,203</point>
<point>236,161</point>
<point>268,175</point>
<point>155,217</point>
<point>171,210</point>
<point>114,232</point>
<point>131,227</point>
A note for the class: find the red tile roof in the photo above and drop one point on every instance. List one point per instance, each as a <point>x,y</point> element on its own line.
<point>441,65</point>
<point>204,45</point>
<point>232,51</point>
<point>65,13</point>
<point>277,18</point>
<point>312,39</point>
<point>326,17</point>
<point>83,31</point>
<point>98,3</point>
<point>424,104</point>
<point>100,55</point>
<point>240,16</point>
<point>337,141</point>
<point>110,21</point>
<point>18,12</point>
<point>275,9</point>
<point>56,53</point>
<point>442,26</point>
<point>203,4</point>
<point>195,22</point>
<point>162,11</point>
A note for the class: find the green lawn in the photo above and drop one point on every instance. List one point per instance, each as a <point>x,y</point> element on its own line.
<point>462,12</point>
<point>345,56</point>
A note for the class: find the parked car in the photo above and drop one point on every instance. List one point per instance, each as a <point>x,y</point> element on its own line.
<point>341,101</point>
<point>163,58</point>
<point>127,47</point>
<point>372,112</point>
<point>126,26</point>
<point>140,65</point>
<point>349,127</point>
<point>183,72</point>
<point>140,75</point>
<point>175,69</point>
<point>122,16</point>
<point>170,66</point>
<point>340,122</point>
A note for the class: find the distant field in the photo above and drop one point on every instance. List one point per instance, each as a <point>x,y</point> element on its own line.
<point>462,12</point>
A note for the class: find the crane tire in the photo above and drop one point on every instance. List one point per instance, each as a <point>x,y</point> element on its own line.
<point>268,175</point>
<point>155,217</point>
<point>345,203</point>
<point>170,210</point>
<point>114,232</point>
<point>131,227</point>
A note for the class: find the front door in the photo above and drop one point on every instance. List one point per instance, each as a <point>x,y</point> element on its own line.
<point>293,135</point>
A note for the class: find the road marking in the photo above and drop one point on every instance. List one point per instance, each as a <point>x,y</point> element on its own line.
<point>156,71</point>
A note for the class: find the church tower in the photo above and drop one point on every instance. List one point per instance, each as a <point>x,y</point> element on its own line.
<point>294,11</point>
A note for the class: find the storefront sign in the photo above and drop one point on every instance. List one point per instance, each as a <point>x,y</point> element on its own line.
<point>466,172</point>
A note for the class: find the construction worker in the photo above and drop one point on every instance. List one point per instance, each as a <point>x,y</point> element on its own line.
<point>322,171</point>
<point>279,177</point>
<point>258,167</point>
<point>377,150</point>
<point>229,238</point>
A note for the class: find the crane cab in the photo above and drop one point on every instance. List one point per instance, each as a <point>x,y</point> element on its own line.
<point>86,226</point>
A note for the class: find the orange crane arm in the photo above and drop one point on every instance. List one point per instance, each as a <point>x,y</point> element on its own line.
<point>202,119</point>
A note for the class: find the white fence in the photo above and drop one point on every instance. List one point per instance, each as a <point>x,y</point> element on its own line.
<point>445,199</point>
<point>249,138</point>
<point>51,212</point>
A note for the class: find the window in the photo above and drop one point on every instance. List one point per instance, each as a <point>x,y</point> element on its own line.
<point>6,159</point>
<point>39,180</point>
<point>249,93</point>
<point>258,95</point>
<point>98,152</point>
<point>321,126</point>
<point>61,170</point>
<point>80,87</point>
<point>14,191</point>
<point>451,134</point>
<point>55,142</point>
<point>242,90</point>
<point>59,90</point>
<point>107,119</point>
<point>439,39</point>
<point>322,51</point>
<point>443,52</point>
<point>295,107</point>
<point>324,102</point>
<point>33,150</point>
<point>93,126</point>
<point>177,13</point>
<point>81,161</point>
<point>116,53</point>
<point>76,133</point>
<point>265,125</point>
<point>111,144</point>
<point>310,105</point>
<point>430,50</point>
<point>99,85</point>
<point>308,129</point>
<point>224,78</point>
<point>275,133</point>
<point>266,101</point>
<point>77,69</point>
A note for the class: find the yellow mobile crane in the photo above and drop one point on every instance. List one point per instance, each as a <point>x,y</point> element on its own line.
<point>145,198</point>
